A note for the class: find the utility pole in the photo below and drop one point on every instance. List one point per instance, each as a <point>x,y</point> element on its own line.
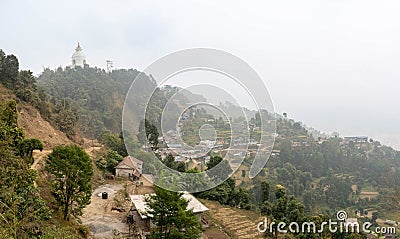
<point>110,65</point>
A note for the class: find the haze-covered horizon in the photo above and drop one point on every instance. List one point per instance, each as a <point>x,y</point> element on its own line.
<point>332,65</point>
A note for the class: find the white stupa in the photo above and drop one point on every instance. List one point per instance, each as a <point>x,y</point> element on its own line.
<point>78,58</point>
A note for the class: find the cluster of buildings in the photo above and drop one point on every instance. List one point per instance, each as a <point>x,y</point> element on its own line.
<point>131,168</point>
<point>185,153</point>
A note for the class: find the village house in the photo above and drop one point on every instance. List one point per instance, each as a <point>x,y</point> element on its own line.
<point>275,153</point>
<point>139,204</point>
<point>369,195</point>
<point>130,167</point>
<point>356,139</point>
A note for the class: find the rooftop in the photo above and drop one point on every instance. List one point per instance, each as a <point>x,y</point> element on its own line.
<point>133,163</point>
<point>141,205</point>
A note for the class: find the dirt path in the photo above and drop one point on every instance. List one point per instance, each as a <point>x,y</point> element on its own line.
<point>39,159</point>
<point>40,156</point>
<point>91,150</point>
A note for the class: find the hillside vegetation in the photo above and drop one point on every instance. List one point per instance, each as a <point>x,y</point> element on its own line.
<point>322,173</point>
<point>98,97</point>
<point>24,213</point>
<point>305,179</point>
<point>28,122</point>
<point>22,86</point>
<point>33,123</point>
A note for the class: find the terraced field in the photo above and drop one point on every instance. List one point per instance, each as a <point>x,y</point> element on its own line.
<point>238,223</point>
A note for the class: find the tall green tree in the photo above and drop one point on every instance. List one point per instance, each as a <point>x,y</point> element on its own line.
<point>109,160</point>
<point>265,205</point>
<point>115,142</point>
<point>279,209</point>
<point>169,161</point>
<point>169,211</point>
<point>264,191</point>
<point>66,120</point>
<point>72,169</point>
<point>148,133</point>
<point>8,70</point>
<point>224,169</point>
<point>26,148</point>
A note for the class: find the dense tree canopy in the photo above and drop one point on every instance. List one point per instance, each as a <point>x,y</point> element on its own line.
<point>97,94</point>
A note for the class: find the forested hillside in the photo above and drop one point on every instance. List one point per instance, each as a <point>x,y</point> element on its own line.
<point>331,174</point>
<point>322,172</point>
<point>28,208</point>
<point>327,173</point>
<point>22,86</point>
<point>306,178</point>
<point>98,96</point>
<point>24,213</point>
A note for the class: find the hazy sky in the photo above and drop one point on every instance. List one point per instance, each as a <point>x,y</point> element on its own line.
<point>331,64</point>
